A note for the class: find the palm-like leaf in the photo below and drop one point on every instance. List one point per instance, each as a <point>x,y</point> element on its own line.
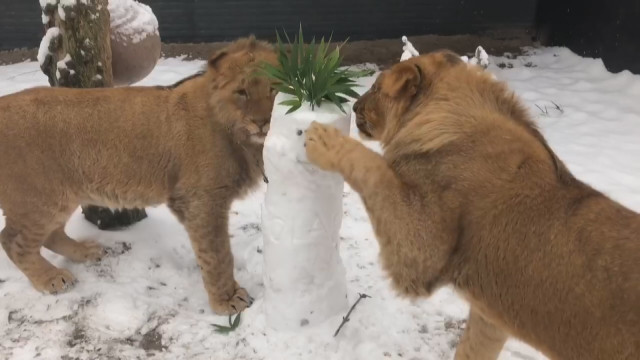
<point>311,73</point>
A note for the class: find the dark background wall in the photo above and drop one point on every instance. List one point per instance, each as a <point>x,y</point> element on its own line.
<point>609,29</point>
<point>20,24</point>
<point>357,19</point>
<point>219,20</point>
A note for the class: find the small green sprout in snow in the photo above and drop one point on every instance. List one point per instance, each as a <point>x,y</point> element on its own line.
<point>233,324</point>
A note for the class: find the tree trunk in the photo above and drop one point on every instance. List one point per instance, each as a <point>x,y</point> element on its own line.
<point>76,52</point>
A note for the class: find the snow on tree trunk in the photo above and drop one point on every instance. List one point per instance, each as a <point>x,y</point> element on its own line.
<point>301,218</point>
<point>79,55</point>
<point>76,52</point>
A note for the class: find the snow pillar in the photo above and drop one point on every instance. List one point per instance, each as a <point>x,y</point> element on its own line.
<point>304,276</point>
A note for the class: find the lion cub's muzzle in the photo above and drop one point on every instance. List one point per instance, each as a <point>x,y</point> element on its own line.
<point>363,127</point>
<point>361,123</point>
<point>259,131</point>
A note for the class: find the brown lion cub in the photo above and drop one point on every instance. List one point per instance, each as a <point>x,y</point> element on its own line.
<point>468,193</point>
<point>196,146</point>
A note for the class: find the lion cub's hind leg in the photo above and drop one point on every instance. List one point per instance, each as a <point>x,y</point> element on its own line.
<point>60,243</point>
<point>22,242</point>
<point>481,340</point>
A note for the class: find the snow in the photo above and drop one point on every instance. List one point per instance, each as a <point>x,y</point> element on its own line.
<point>151,285</point>
<point>61,13</point>
<point>43,50</point>
<point>131,20</point>
<point>481,58</point>
<point>408,51</point>
<point>304,277</point>
<point>62,64</point>
<point>44,3</point>
<point>69,3</point>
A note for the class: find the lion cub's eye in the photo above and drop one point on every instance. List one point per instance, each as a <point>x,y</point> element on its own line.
<point>242,93</point>
<point>273,92</point>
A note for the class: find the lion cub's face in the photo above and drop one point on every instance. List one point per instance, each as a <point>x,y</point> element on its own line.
<point>253,97</point>
<point>381,110</point>
<point>242,98</point>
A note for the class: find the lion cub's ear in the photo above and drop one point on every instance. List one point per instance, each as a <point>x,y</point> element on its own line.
<point>214,61</point>
<point>402,80</point>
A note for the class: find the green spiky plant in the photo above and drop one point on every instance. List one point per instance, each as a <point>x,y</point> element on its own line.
<point>311,73</point>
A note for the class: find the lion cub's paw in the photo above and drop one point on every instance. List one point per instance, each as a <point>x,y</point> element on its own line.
<point>58,281</point>
<point>324,146</point>
<point>239,301</point>
<point>88,251</point>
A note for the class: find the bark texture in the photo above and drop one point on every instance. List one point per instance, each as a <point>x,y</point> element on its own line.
<point>79,56</point>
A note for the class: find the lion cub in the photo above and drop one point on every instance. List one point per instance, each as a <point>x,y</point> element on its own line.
<point>468,193</point>
<point>196,146</point>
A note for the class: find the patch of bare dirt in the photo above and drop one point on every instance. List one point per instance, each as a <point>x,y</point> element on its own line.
<point>380,52</point>
<point>17,55</point>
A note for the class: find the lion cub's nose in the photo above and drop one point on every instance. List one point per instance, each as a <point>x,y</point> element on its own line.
<point>262,122</point>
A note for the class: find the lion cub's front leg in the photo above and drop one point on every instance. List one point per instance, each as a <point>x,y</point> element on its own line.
<point>367,173</point>
<point>482,340</point>
<point>413,248</point>
<point>206,218</point>
<point>363,169</point>
<point>327,147</point>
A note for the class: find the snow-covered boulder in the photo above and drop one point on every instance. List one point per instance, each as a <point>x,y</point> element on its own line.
<point>304,277</point>
<point>135,41</point>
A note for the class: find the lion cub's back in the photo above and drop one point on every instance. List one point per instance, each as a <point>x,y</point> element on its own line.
<point>61,114</point>
<point>49,131</point>
<point>66,104</point>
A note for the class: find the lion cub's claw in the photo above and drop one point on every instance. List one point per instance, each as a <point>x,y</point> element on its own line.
<point>89,251</point>
<point>58,282</point>
<point>237,303</point>
<point>322,145</point>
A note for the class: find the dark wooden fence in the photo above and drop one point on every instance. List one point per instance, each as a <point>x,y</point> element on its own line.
<point>20,24</point>
<point>607,29</point>
<point>219,20</point>
<point>600,28</point>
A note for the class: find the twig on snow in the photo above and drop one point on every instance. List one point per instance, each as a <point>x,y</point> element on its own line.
<point>544,111</point>
<point>345,319</point>
<point>20,74</point>
<point>558,107</point>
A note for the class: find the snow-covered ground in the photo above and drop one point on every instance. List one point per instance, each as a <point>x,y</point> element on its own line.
<point>147,297</point>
